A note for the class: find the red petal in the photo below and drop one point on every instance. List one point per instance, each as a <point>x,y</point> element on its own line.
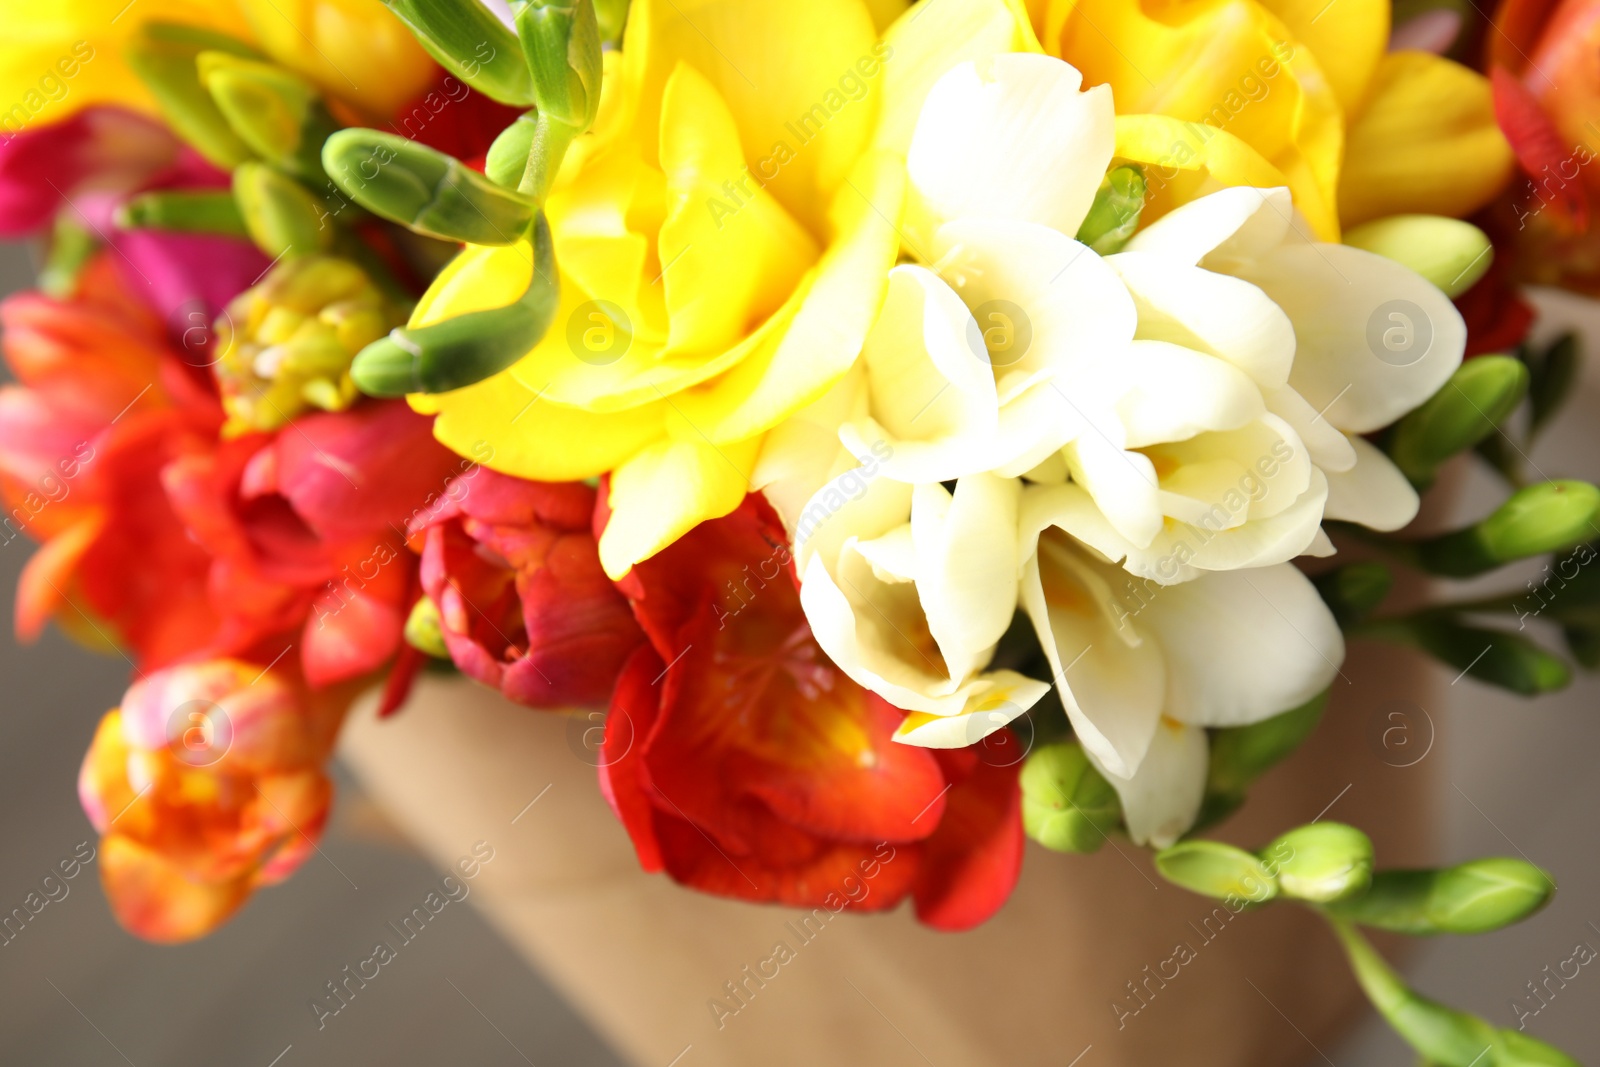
<point>971,864</point>
<point>630,720</point>
<point>1538,147</point>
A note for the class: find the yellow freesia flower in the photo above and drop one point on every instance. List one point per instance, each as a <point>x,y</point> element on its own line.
<point>1356,132</point>
<point>724,238</point>
<point>67,55</point>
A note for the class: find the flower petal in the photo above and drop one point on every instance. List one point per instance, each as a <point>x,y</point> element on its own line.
<point>1373,492</point>
<point>1162,799</point>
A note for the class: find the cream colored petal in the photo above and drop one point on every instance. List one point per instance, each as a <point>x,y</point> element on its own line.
<point>1374,339</point>
<point>967,566</point>
<point>1211,312</point>
<point>1174,393</point>
<point>854,505</point>
<point>1373,492</point>
<point>1328,448</point>
<point>1010,136</point>
<point>1243,645</point>
<point>1236,222</point>
<point>1162,800</point>
<point>1000,698</point>
<point>1123,484</point>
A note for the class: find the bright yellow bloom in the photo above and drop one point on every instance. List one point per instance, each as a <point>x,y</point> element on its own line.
<point>1357,133</point>
<point>724,238</point>
<point>65,55</point>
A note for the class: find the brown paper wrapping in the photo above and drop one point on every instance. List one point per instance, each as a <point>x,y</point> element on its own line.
<point>645,960</point>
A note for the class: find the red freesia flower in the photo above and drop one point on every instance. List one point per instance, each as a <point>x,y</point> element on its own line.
<point>524,604</point>
<point>744,763</point>
<point>205,784</point>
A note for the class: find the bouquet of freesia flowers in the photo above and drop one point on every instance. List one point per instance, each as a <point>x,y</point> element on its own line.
<point>925,427</point>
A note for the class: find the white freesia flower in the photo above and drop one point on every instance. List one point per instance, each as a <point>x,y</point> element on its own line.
<point>1143,670</point>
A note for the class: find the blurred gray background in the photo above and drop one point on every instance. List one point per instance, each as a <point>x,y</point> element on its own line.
<point>1514,778</point>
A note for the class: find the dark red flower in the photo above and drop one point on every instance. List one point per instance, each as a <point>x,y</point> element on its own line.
<point>523,602</point>
<point>744,763</point>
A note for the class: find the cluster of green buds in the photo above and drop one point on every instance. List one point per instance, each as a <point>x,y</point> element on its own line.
<point>287,344</point>
<point>552,64</point>
<point>1328,867</point>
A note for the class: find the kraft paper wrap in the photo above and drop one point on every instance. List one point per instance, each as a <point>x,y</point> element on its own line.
<point>643,959</point>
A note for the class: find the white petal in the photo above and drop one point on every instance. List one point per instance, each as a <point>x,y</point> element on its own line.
<point>893,556</point>
<point>967,567</point>
<point>1329,448</point>
<point>1240,221</point>
<point>1003,696</point>
<point>803,453</point>
<point>859,503</point>
<point>1111,682</point>
<point>1215,313</point>
<point>1033,428</point>
<point>1253,472</point>
<point>1162,800</point>
<point>1122,484</point>
<point>1174,393</point>
<point>1052,301</point>
<point>1373,492</point>
<point>1243,645</point>
<point>1011,136</point>
<point>1374,338</point>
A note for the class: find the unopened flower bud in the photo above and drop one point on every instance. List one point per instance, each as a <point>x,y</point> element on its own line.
<point>1497,657</point>
<point>1480,395</point>
<point>1067,805</point>
<point>424,189</point>
<point>1450,253</point>
<point>471,43</point>
<point>184,212</point>
<point>561,41</point>
<point>287,344</point>
<point>1214,869</point>
<point>1114,215</point>
<point>425,630</point>
<point>1321,862</point>
<point>1472,898</point>
<point>280,115</point>
<point>283,218</point>
<point>163,56</point>
<point>1547,517</point>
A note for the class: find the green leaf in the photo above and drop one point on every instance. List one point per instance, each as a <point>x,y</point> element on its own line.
<point>471,43</point>
<point>1214,869</point>
<point>1471,898</point>
<point>1067,805</point>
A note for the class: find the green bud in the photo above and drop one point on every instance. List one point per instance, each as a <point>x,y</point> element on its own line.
<point>1500,658</point>
<point>282,217</point>
<point>469,348</point>
<point>1354,590</point>
<point>507,161</point>
<point>611,16</point>
<point>1481,395</point>
<point>425,190</point>
<point>280,115</point>
<point>1214,869</point>
<point>1241,754</point>
<point>561,41</point>
<point>1321,862</point>
<point>1067,805</point>
<point>184,212</point>
<point>1448,252</point>
<point>287,343</point>
<point>163,56</point>
<point>424,631</point>
<point>471,43</point>
<point>1114,215</point>
<point>72,245</point>
<point>1548,517</point>
<point>1472,898</point>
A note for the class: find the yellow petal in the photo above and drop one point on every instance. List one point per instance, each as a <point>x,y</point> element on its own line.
<point>1187,160</point>
<point>1233,66</point>
<point>730,254</point>
<point>927,41</point>
<point>1426,143</point>
<point>798,78</point>
<point>66,55</point>
<point>1348,38</point>
<point>354,49</point>
<point>668,489</point>
<point>832,315</point>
